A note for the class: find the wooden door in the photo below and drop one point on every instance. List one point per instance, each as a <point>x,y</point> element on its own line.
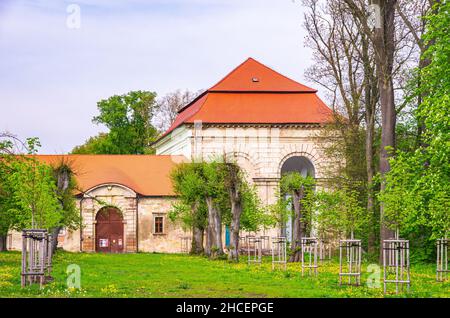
<point>109,231</point>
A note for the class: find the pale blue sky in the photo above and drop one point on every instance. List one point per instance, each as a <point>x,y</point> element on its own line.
<point>51,76</point>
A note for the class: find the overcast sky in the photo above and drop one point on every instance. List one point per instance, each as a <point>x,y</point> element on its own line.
<point>54,67</point>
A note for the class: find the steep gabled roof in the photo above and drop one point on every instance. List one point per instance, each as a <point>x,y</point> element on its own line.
<point>148,175</point>
<point>255,94</point>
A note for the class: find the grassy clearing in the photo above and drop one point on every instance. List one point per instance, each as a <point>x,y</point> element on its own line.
<point>172,275</point>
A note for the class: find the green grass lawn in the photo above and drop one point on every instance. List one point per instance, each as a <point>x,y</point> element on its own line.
<point>173,275</point>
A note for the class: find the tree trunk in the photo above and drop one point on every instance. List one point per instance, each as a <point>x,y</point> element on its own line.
<point>214,230</point>
<point>3,242</point>
<point>297,228</point>
<point>383,40</point>
<point>387,143</point>
<point>236,212</point>
<point>63,181</point>
<point>55,232</point>
<point>371,97</point>
<point>384,47</point>
<point>197,241</point>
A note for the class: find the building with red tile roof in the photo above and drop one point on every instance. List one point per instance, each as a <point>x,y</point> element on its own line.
<point>255,94</point>
<point>267,123</point>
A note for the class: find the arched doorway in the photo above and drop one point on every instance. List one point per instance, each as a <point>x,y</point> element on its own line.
<point>305,167</point>
<point>109,231</point>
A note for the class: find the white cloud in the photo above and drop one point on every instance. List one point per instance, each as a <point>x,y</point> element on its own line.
<point>52,76</point>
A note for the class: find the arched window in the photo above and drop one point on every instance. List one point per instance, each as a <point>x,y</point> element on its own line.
<point>305,167</point>
<point>298,163</point>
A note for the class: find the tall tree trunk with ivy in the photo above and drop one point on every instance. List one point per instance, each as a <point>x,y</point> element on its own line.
<point>63,175</point>
<point>197,233</point>
<point>197,241</point>
<point>214,230</point>
<point>298,228</point>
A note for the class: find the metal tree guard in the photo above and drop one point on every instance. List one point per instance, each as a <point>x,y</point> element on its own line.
<point>243,247</point>
<point>310,246</point>
<point>442,259</point>
<point>325,250</point>
<point>350,254</point>
<point>185,244</point>
<point>279,252</point>
<point>254,250</point>
<point>396,264</point>
<point>265,243</point>
<point>36,257</point>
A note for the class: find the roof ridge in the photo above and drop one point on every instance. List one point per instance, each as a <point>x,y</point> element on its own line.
<point>232,71</point>
<point>288,78</point>
<point>305,88</point>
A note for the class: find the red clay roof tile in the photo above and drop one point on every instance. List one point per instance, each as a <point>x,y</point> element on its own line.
<point>148,175</point>
<point>254,93</point>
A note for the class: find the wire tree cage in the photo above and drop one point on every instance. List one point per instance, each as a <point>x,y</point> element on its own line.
<point>310,255</point>
<point>442,259</point>
<point>396,265</point>
<point>279,252</point>
<point>350,262</point>
<point>185,244</point>
<point>36,257</point>
<point>254,250</point>
<point>325,250</point>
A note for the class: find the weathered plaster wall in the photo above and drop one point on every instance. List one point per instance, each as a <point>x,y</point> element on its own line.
<point>259,150</point>
<point>170,240</point>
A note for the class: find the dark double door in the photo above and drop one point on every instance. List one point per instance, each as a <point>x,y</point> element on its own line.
<point>109,231</point>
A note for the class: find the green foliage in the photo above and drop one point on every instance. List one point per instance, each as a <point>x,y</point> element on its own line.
<point>339,210</point>
<point>32,200</point>
<point>191,208</point>
<point>418,185</point>
<point>94,145</point>
<point>279,211</point>
<point>184,276</point>
<point>70,216</point>
<point>290,183</point>
<point>196,181</point>
<point>253,216</point>
<point>29,195</point>
<point>294,181</point>
<point>128,118</point>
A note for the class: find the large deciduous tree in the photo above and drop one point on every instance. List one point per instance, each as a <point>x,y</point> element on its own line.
<point>345,68</point>
<point>128,118</point>
<point>383,40</point>
<point>169,105</point>
<point>64,177</point>
<point>191,208</point>
<point>245,206</point>
<point>417,187</point>
<point>33,194</point>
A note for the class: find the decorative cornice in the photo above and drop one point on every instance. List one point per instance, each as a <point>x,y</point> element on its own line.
<point>260,125</point>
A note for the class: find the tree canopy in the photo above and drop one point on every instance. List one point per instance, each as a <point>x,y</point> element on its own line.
<point>418,186</point>
<point>29,193</point>
<point>128,119</point>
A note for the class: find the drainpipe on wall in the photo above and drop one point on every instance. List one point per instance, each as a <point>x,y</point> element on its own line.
<point>137,222</point>
<point>81,224</point>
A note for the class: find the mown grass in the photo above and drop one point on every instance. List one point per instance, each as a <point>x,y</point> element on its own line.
<point>174,275</point>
